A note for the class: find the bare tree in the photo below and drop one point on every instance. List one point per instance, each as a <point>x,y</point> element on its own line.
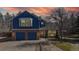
<point>8,19</point>
<point>58,14</point>
<point>1,21</point>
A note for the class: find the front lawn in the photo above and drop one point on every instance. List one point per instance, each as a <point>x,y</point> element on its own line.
<point>64,46</point>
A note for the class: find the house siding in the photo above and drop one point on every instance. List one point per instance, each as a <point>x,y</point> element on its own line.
<point>28,31</point>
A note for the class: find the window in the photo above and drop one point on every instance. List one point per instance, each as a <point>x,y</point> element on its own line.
<point>51,33</point>
<point>25,22</point>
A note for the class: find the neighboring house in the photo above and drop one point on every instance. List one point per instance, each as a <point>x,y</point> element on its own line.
<point>27,26</point>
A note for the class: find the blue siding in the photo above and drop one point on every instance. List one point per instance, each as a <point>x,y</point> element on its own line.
<point>36,24</point>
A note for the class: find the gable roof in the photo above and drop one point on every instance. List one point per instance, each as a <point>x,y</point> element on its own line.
<point>26,13</point>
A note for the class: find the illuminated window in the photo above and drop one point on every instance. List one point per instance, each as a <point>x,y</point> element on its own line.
<point>51,33</point>
<point>25,22</point>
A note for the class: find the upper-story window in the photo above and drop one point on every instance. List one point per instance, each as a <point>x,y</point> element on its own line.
<point>25,22</point>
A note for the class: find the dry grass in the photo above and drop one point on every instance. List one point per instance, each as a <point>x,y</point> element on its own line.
<point>64,46</point>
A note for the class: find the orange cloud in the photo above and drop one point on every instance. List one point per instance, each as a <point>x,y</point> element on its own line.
<point>72,9</point>
<point>11,9</point>
<point>38,10</point>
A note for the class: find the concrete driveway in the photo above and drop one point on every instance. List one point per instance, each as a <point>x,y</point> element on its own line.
<point>23,46</point>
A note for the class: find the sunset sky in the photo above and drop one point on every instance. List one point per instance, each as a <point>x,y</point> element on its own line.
<point>36,10</point>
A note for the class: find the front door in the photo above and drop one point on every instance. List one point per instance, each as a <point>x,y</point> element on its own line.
<point>32,35</point>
